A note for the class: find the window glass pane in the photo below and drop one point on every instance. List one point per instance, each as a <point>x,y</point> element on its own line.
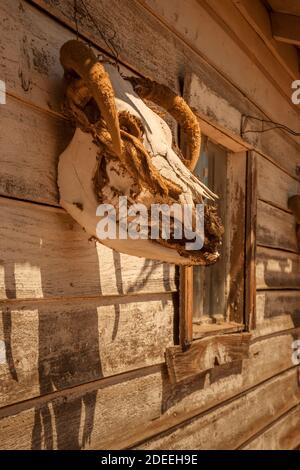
<point>210,282</point>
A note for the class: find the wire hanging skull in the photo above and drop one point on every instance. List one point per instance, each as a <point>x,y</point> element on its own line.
<point>123,149</point>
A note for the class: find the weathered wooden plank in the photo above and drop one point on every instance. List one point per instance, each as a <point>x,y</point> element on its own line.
<point>211,329</point>
<point>274,185</point>
<point>37,180</point>
<point>30,43</point>
<point>153,404</point>
<point>250,242</point>
<point>281,312</point>
<point>234,216</point>
<point>31,142</point>
<point>248,36</point>
<point>201,26</point>
<point>137,35</point>
<point>276,228</point>
<point>276,303</point>
<point>231,269</point>
<point>44,253</point>
<point>93,418</point>
<point>283,435</point>
<point>277,269</point>
<point>218,116</point>
<point>224,113</point>
<point>161,393</point>
<point>277,311</point>
<point>258,17</point>
<point>206,354</point>
<point>186,306</point>
<point>56,345</point>
<point>286,28</point>
<point>29,172</point>
<point>224,428</point>
<point>286,6</point>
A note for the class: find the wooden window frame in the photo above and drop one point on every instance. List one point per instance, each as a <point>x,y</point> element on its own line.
<point>247,307</point>
<point>221,287</point>
<point>230,343</point>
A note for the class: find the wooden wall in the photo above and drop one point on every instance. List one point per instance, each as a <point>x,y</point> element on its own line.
<point>85,329</point>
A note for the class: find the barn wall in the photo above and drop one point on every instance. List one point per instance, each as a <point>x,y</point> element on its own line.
<point>85,329</point>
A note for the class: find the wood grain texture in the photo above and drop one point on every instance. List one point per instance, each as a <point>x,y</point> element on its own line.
<point>144,30</point>
<point>286,6</point>
<point>285,28</point>
<point>222,113</point>
<point>206,354</point>
<point>266,53</point>
<point>258,17</point>
<point>44,253</point>
<point>186,306</point>
<point>276,228</point>
<point>60,344</point>
<point>277,269</point>
<point>31,142</point>
<point>32,72</point>
<point>146,395</point>
<point>94,418</point>
<point>235,226</point>
<point>251,241</point>
<point>277,311</point>
<point>203,27</point>
<point>274,185</point>
<point>259,407</point>
<point>30,44</point>
<point>283,435</point>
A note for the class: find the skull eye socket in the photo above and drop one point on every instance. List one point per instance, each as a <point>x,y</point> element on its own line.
<point>92,111</point>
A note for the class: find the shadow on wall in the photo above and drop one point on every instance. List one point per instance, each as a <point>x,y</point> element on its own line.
<point>76,338</point>
<point>68,345</point>
<point>175,393</point>
<point>51,259</point>
<point>47,256</point>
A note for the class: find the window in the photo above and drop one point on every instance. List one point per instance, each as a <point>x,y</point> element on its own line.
<point>217,303</point>
<point>209,283</point>
<point>218,290</point>
<point>214,296</point>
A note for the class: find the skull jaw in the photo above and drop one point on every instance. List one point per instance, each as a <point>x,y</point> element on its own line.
<point>77,165</point>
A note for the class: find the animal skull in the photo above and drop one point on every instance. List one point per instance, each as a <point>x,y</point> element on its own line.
<point>121,147</point>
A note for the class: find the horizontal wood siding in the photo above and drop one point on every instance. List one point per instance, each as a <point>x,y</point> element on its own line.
<point>211,431</point>
<point>47,254</point>
<point>85,329</point>
<point>282,435</point>
<point>153,403</point>
<point>59,344</point>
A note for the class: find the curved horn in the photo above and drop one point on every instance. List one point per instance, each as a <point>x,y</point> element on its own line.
<point>177,108</point>
<point>76,56</point>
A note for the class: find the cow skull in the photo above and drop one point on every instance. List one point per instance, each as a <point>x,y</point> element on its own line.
<point>121,147</point>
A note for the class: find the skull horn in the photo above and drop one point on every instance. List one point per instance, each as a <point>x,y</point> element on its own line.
<point>176,106</point>
<point>77,57</point>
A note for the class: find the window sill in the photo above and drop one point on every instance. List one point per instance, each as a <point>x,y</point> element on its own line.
<point>206,354</point>
<point>200,331</point>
